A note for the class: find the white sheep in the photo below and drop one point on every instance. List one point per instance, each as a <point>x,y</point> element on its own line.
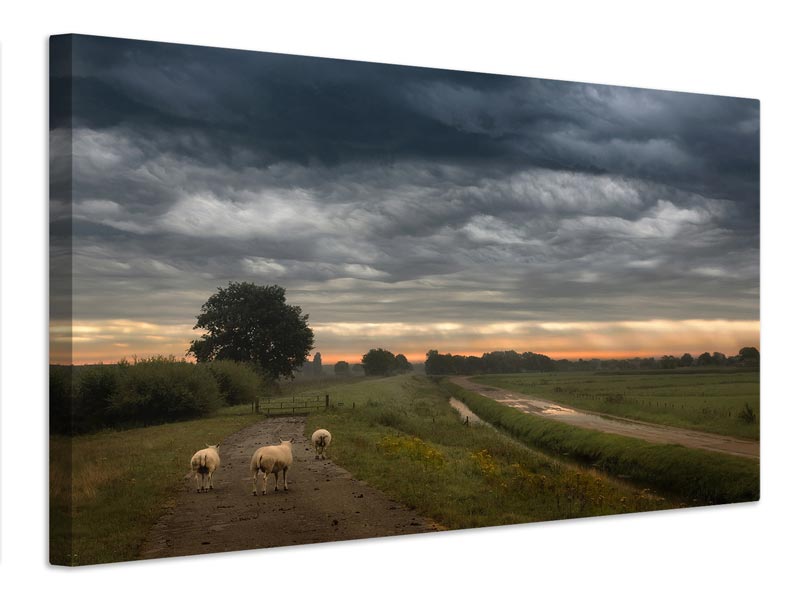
<point>271,459</point>
<point>321,439</point>
<point>204,463</point>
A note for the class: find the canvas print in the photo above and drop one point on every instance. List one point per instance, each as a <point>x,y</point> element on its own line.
<point>299,300</point>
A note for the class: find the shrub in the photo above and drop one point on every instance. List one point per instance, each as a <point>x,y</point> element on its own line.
<point>238,383</point>
<point>143,392</point>
<point>60,399</point>
<point>747,414</point>
<point>162,389</point>
<point>94,388</point>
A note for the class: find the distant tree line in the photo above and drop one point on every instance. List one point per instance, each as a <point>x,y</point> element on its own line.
<point>507,361</point>
<point>510,361</point>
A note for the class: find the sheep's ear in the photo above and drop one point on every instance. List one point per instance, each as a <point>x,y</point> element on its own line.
<point>217,446</point>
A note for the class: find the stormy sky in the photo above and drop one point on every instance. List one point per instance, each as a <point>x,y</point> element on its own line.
<point>403,207</point>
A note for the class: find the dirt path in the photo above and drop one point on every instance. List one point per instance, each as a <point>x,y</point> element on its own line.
<point>660,434</point>
<point>324,503</point>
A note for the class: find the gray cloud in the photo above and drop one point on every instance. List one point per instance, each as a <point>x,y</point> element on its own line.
<point>391,194</point>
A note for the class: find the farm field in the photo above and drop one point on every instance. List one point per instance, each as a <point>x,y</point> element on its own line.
<point>714,402</point>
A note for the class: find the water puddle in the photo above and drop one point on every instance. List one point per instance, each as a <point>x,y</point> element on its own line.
<point>555,409</point>
<point>467,416</point>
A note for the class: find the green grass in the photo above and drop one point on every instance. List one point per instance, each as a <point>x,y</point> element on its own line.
<point>694,475</point>
<point>121,482</point>
<point>400,435</point>
<point>403,438</point>
<point>706,401</point>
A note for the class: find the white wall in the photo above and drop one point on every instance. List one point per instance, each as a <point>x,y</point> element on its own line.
<point>720,48</point>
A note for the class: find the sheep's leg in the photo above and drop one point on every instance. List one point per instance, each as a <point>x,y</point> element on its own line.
<point>266,479</point>
<point>255,478</point>
<point>197,480</point>
<point>285,487</point>
<point>210,481</point>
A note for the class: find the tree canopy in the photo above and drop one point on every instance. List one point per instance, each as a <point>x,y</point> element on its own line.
<point>316,365</point>
<point>382,362</point>
<point>750,354</point>
<point>341,368</point>
<point>401,364</point>
<point>378,362</point>
<point>250,323</point>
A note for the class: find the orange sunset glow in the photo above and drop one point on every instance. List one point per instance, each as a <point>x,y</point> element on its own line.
<point>110,341</point>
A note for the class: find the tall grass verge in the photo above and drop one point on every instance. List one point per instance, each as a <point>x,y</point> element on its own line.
<point>400,435</point>
<point>707,477</point>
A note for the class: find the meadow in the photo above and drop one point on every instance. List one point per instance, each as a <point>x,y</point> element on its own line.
<point>716,401</point>
<point>115,484</point>
<point>398,434</point>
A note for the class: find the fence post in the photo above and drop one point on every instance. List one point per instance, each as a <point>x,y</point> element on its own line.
<point>327,401</point>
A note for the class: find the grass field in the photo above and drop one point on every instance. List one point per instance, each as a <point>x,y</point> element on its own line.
<point>694,475</point>
<point>402,437</point>
<point>705,401</point>
<point>121,482</point>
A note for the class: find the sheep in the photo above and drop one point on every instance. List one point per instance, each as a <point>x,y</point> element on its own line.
<point>204,463</point>
<point>271,459</point>
<point>321,439</point>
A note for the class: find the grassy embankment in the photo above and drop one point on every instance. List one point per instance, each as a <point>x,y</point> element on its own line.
<point>707,477</point>
<point>403,437</point>
<point>121,482</point>
<point>705,401</point>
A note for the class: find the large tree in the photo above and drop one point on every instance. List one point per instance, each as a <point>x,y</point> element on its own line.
<point>401,364</point>
<point>378,362</point>
<point>251,323</point>
<point>316,365</point>
<point>749,355</point>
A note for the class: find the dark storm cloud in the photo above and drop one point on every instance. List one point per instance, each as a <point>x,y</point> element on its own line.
<point>377,193</point>
<point>254,109</point>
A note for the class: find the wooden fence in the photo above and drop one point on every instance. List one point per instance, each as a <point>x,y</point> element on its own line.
<point>298,404</point>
